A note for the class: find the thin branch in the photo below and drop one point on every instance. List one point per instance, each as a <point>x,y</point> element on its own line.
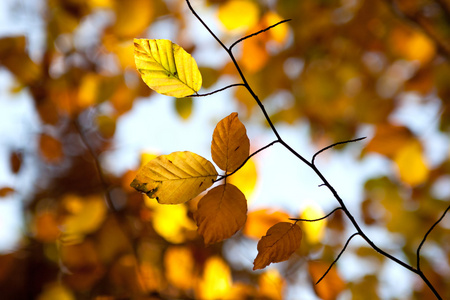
<point>333,145</point>
<point>256,33</point>
<point>315,220</point>
<point>216,91</point>
<point>426,235</point>
<point>245,161</point>
<point>337,258</point>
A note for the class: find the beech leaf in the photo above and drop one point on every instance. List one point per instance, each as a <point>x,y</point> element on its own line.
<point>175,178</point>
<point>230,146</point>
<point>167,68</point>
<point>280,241</point>
<point>221,213</point>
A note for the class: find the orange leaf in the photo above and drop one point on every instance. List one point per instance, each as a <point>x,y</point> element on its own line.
<point>230,146</point>
<point>6,191</point>
<point>389,139</point>
<point>331,285</point>
<point>221,213</point>
<point>258,220</point>
<point>280,241</point>
<point>51,148</point>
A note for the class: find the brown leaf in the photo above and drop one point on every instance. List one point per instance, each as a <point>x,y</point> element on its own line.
<point>16,159</point>
<point>280,241</point>
<point>331,285</point>
<point>230,146</point>
<point>51,148</point>
<point>6,191</point>
<point>221,213</point>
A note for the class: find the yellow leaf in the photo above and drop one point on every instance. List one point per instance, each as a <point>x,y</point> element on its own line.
<point>271,285</point>
<point>56,291</point>
<point>258,220</point>
<point>314,231</point>
<point>175,178</point>
<point>216,281</point>
<point>86,215</point>
<point>230,146</point>
<point>245,179</point>
<point>280,241</point>
<point>279,33</point>
<point>411,164</point>
<point>179,267</point>
<point>184,107</point>
<point>132,17</point>
<point>167,68</point>
<point>331,285</point>
<point>238,15</point>
<point>221,213</point>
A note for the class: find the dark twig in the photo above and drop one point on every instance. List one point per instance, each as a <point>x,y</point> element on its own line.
<point>245,161</point>
<point>256,33</point>
<point>216,91</point>
<point>426,235</point>
<point>315,220</point>
<point>337,258</point>
<point>333,145</point>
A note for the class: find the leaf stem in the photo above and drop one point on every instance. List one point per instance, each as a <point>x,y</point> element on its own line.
<point>319,219</point>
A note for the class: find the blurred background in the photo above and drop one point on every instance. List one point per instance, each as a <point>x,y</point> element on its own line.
<point>77,122</point>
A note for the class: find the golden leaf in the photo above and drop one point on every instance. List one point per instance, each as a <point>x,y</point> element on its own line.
<point>179,267</point>
<point>314,231</point>
<point>331,285</point>
<point>245,180</point>
<point>175,178</point>
<point>167,68</point>
<point>280,241</point>
<point>258,220</point>
<point>230,146</point>
<point>238,15</point>
<point>216,281</point>
<point>411,164</point>
<point>221,213</point>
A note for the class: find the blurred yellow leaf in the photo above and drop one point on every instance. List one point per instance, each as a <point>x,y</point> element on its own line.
<point>271,285</point>
<point>216,280</point>
<point>184,107</point>
<point>230,146</point>
<point>254,54</point>
<point>132,17</point>
<point>175,178</point>
<point>259,220</point>
<point>245,179</point>
<point>314,231</point>
<point>278,33</point>
<point>411,164</point>
<point>106,125</point>
<point>221,213</point>
<point>179,267</point>
<point>167,68</point>
<point>171,222</point>
<point>389,139</point>
<point>56,291</point>
<point>413,44</point>
<point>88,90</point>
<point>238,15</point>
<point>279,243</point>
<point>331,285</point>
<point>85,216</point>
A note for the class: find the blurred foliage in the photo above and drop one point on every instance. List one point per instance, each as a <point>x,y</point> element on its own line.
<point>343,66</point>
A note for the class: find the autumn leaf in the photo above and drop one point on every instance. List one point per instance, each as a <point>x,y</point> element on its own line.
<point>280,241</point>
<point>331,285</point>
<point>6,191</point>
<point>221,213</point>
<point>175,178</point>
<point>230,146</point>
<point>238,15</point>
<point>258,220</point>
<point>167,68</point>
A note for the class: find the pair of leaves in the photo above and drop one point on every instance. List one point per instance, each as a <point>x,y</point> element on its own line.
<point>180,176</point>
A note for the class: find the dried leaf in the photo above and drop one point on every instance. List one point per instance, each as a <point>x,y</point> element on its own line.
<point>167,68</point>
<point>175,178</point>
<point>230,146</point>
<point>279,243</point>
<point>221,213</point>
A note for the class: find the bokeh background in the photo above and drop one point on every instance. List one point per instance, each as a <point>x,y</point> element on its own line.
<point>77,121</point>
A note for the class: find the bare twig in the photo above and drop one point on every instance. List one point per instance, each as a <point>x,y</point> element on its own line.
<point>337,258</point>
<point>216,91</point>
<point>333,145</point>
<point>315,220</point>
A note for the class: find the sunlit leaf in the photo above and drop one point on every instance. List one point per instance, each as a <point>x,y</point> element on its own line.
<point>413,44</point>
<point>245,179</point>
<point>132,17</point>
<point>221,213</point>
<point>216,281</point>
<point>230,146</point>
<point>238,15</point>
<point>171,222</point>
<point>279,243</point>
<point>175,178</point>
<point>167,68</point>
<point>411,164</point>
<point>331,286</point>
<point>259,220</point>
<point>85,216</point>
<point>314,231</point>
<point>271,285</point>
<point>179,267</point>
<point>56,291</point>
<point>389,139</point>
